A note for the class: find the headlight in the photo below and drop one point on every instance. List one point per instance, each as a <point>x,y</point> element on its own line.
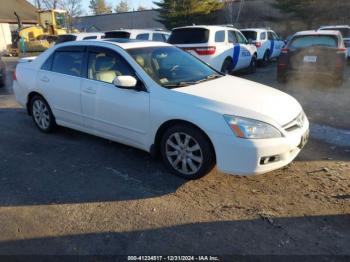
<point>252,129</point>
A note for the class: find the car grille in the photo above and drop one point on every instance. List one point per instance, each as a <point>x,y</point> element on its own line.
<point>296,123</point>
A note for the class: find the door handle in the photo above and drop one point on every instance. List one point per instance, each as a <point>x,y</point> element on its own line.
<point>45,79</point>
<point>89,90</point>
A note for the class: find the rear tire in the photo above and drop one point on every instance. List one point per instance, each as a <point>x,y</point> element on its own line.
<point>227,66</point>
<point>187,151</point>
<point>42,114</point>
<point>252,66</point>
<point>266,59</point>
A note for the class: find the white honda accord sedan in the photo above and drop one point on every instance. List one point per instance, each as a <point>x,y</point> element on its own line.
<point>158,98</point>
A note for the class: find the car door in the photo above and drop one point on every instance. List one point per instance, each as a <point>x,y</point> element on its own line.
<point>235,50</point>
<point>121,114</point>
<point>245,52</point>
<point>60,80</point>
<point>279,44</point>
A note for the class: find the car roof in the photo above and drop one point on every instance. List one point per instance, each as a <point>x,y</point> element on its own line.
<point>318,32</point>
<point>122,43</point>
<point>85,34</point>
<point>256,29</point>
<point>335,26</point>
<point>140,31</point>
<point>216,27</point>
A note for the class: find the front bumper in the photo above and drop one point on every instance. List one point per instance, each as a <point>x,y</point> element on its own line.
<point>246,156</point>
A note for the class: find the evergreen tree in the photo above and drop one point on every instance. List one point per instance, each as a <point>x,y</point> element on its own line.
<point>99,7</point>
<point>187,12</point>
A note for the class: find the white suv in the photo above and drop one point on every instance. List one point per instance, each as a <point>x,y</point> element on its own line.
<point>345,30</point>
<point>268,43</point>
<point>139,34</point>
<point>224,48</point>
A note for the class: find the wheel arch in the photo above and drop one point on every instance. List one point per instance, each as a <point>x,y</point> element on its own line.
<point>155,147</point>
<point>30,97</point>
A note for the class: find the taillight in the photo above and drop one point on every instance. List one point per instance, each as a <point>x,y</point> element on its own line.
<point>206,50</point>
<point>284,50</point>
<point>14,76</point>
<point>210,50</point>
<point>258,44</point>
<point>342,51</point>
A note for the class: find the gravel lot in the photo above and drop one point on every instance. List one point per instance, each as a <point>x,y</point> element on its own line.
<point>71,193</point>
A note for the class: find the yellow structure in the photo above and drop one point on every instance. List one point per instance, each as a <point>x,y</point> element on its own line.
<point>50,23</point>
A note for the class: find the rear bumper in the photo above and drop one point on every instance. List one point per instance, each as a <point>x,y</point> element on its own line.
<point>333,73</point>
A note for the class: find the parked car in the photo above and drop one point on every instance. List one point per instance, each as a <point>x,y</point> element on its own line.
<point>158,98</point>
<point>268,43</point>
<point>224,48</point>
<point>78,37</point>
<point>314,53</point>
<point>345,30</point>
<point>2,72</point>
<point>139,34</point>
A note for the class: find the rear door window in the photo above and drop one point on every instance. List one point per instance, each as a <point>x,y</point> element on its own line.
<point>231,36</point>
<point>314,40</point>
<point>117,34</point>
<point>220,36</point>
<point>250,35</point>
<point>68,63</point>
<point>142,36</point>
<point>189,36</point>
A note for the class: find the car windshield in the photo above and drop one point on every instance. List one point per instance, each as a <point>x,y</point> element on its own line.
<point>250,34</point>
<point>314,40</point>
<point>189,36</point>
<point>343,30</point>
<point>171,67</point>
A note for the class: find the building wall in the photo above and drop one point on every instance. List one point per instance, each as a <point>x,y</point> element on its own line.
<point>5,37</point>
<point>130,20</point>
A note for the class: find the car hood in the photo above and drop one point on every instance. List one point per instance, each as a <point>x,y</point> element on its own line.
<point>240,97</point>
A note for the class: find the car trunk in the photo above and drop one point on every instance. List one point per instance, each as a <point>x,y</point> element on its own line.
<point>315,58</point>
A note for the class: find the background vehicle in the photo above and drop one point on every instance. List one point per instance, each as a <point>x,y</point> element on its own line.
<point>158,98</point>
<point>313,53</point>
<point>2,73</point>
<point>140,34</point>
<point>52,22</point>
<point>224,48</point>
<point>345,30</point>
<point>268,43</point>
<point>78,37</point>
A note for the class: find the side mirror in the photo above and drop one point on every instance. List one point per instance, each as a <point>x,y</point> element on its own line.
<point>125,82</point>
<point>250,41</point>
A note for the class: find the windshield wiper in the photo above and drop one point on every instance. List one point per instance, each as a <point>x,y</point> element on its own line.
<point>188,83</point>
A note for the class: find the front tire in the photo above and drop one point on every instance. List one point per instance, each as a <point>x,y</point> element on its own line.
<point>42,114</point>
<point>187,152</point>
